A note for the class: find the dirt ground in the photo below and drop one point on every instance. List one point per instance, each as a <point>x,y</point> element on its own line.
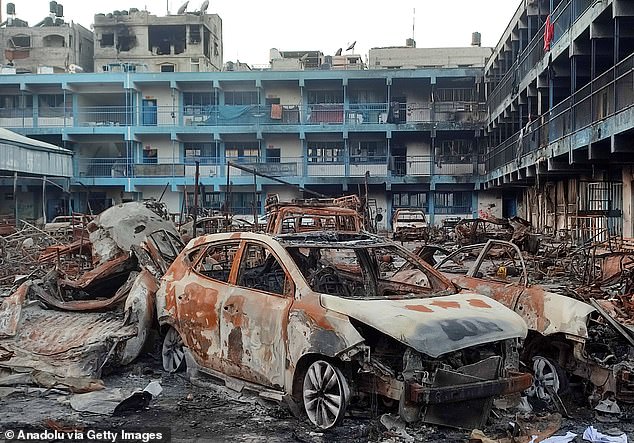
<point>211,413</point>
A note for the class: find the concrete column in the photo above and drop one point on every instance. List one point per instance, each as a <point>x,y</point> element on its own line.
<point>628,176</point>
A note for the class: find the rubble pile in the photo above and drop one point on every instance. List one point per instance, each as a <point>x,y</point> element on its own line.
<point>77,301</point>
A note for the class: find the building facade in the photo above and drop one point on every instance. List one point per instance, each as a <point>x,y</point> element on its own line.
<point>542,128</point>
<point>137,40</point>
<point>138,135</point>
<point>560,95</point>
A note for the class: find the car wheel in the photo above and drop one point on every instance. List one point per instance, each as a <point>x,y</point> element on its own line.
<point>548,377</point>
<point>173,351</point>
<point>326,393</point>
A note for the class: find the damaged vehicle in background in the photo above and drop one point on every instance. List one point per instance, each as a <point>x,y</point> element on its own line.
<point>409,224</point>
<point>565,335</point>
<point>327,320</point>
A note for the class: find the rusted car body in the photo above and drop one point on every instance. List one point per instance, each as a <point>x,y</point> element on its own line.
<point>323,319</point>
<point>409,224</point>
<point>564,332</point>
<point>313,215</point>
<point>479,230</point>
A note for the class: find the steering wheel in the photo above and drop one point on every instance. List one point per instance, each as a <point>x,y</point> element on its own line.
<point>327,281</point>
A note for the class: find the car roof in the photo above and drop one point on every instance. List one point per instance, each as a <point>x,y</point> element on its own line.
<point>307,239</point>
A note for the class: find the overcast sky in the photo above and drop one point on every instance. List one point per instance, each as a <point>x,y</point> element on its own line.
<point>252,27</point>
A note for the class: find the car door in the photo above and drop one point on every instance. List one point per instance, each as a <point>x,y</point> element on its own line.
<point>200,298</point>
<point>254,317</point>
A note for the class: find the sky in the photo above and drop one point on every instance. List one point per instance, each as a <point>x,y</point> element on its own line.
<point>252,27</point>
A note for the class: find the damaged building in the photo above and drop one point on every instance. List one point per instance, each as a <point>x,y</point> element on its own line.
<point>137,40</point>
<point>485,132</point>
<point>53,45</point>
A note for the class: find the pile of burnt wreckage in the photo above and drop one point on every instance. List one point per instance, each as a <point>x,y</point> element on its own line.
<point>308,308</point>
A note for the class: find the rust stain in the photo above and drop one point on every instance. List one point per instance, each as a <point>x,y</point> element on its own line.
<point>419,308</point>
<point>235,349</point>
<point>446,304</point>
<point>477,303</point>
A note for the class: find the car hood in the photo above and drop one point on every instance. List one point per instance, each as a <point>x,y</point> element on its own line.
<point>437,325</point>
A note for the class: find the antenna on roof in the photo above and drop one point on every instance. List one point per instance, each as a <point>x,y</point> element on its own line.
<point>414,24</point>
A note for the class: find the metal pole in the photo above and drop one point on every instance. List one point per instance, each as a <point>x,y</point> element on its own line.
<point>44,199</point>
<point>196,177</point>
<point>255,202</point>
<point>275,179</point>
<point>228,194</point>
<point>15,197</point>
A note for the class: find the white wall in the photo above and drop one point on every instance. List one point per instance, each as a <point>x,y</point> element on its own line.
<point>489,204</point>
<point>170,198</point>
<point>287,93</point>
<point>290,145</point>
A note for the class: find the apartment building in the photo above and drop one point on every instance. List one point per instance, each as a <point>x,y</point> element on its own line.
<point>560,95</point>
<point>139,41</point>
<point>51,45</point>
<point>138,135</point>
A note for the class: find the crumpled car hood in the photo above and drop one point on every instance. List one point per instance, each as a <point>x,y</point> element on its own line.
<point>437,325</point>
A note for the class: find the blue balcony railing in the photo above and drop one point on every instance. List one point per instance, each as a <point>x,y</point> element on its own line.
<point>358,166</point>
<point>357,114</point>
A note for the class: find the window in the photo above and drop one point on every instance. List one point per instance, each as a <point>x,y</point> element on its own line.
<point>150,155</point>
<point>260,270</point>
<point>195,65</point>
<point>205,153</point>
<point>16,101</point>
<point>409,200</point>
<point>455,95</point>
<point>321,97</point>
<point>20,41</point>
<point>199,102</point>
<point>456,151</point>
<point>168,68</point>
<point>325,152</point>
<point>457,202</point>
<point>215,261</point>
<point>52,105</point>
<point>368,151</point>
<point>54,41</point>
<point>243,152</point>
<point>241,98</point>
<point>107,40</point>
<point>273,155</point>
<point>194,34</point>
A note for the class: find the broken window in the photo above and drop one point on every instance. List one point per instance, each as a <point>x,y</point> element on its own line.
<point>162,38</point>
<point>125,42</point>
<point>107,40</point>
<point>260,270</point>
<point>215,262</point>
<point>216,51</point>
<point>54,41</point>
<point>19,41</point>
<point>325,97</point>
<point>194,34</point>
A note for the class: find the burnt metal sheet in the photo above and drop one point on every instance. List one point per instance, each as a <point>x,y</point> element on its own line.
<point>65,348</point>
<point>437,325</point>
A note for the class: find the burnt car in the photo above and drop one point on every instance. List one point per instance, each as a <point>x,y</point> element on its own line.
<point>567,337</point>
<point>326,319</point>
<point>409,224</point>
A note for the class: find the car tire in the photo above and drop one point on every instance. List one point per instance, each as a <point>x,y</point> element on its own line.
<point>548,377</point>
<point>173,351</point>
<point>325,394</point>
